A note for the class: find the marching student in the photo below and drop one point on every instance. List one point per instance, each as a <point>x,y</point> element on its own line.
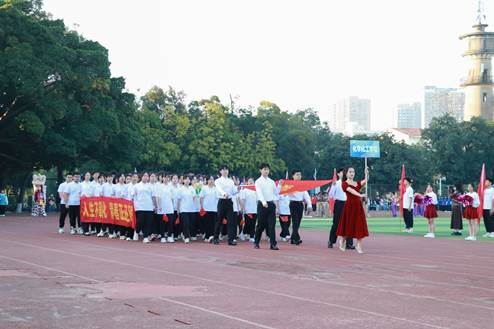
<point>488,211</point>
<point>408,206</point>
<point>108,191</point>
<point>177,225</point>
<point>186,197</point>
<point>236,211</point>
<point>143,203</point>
<point>430,211</point>
<point>86,191</point>
<point>164,197</point>
<point>456,209</point>
<point>120,192</point>
<point>353,222</point>
<point>97,191</point>
<point>284,216</point>
<point>336,192</point>
<point>157,218</point>
<point>195,225</point>
<point>248,202</point>
<point>73,202</point>
<point>130,233</point>
<point>297,208</point>
<point>267,194</point>
<point>226,191</point>
<point>4,202</point>
<point>62,189</point>
<point>471,214</point>
<point>209,203</point>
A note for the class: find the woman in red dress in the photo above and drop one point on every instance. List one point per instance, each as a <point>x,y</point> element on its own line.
<point>352,222</point>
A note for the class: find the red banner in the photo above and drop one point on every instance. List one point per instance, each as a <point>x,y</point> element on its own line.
<point>106,210</point>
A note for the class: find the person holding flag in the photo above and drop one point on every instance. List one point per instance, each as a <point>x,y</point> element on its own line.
<point>336,193</point>
<point>488,208</point>
<point>297,208</point>
<point>267,194</point>
<point>407,204</point>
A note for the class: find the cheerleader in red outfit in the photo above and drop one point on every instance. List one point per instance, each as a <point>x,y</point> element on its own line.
<point>352,222</point>
<point>430,200</point>
<point>470,213</point>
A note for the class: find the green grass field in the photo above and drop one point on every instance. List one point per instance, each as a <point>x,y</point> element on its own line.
<point>389,225</point>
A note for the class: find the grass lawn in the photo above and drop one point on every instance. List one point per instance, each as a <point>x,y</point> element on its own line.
<point>390,225</point>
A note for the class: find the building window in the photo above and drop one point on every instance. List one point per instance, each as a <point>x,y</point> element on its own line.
<point>484,97</point>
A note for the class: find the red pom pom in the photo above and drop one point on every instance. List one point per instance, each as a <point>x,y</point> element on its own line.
<point>242,222</point>
<point>225,221</point>
<point>284,219</point>
<point>177,221</point>
<point>250,216</point>
<point>202,212</point>
<point>165,218</point>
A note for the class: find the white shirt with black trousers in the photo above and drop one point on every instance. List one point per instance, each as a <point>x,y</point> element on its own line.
<point>226,191</point>
<point>267,193</point>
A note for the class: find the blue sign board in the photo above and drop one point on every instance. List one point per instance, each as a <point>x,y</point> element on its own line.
<point>364,149</point>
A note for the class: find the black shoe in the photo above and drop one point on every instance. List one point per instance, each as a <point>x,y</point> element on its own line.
<point>274,248</point>
<point>216,241</point>
<point>350,247</point>
<point>330,245</point>
<point>293,242</point>
<point>256,246</point>
<point>232,243</point>
<point>299,242</point>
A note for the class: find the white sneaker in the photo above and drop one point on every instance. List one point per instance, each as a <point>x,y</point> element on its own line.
<point>123,237</point>
<point>136,236</point>
<point>170,239</point>
<point>60,231</point>
<point>252,240</point>
<point>163,240</point>
<point>491,235</point>
<point>145,240</point>
<point>100,234</point>
<point>112,236</point>
<point>72,231</point>
<point>128,239</point>
<point>486,235</point>
<point>430,235</point>
<point>410,230</point>
<point>470,238</point>
<point>80,231</point>
<point>194,238</point>
<point>221,237</point>
<point>242,237</point>
<point>284,239</point>
<point>186,240</point>
<point>287,237</point>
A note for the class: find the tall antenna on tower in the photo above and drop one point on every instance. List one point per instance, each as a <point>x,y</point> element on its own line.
<point>481,19</point>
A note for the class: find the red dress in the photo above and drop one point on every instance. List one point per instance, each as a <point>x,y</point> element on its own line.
<point>430,211</point>
<point>352,222</point>
<point>470,213</point>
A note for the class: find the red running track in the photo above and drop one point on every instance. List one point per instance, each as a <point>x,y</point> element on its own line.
<point>49,280</point>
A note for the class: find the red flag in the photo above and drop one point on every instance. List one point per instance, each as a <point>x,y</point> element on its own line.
<point>165,218</point>
<point>332,200</point>
<point>480,192</point>
<point>291,186</point>
<point>250,216</point>
<point>202,212</point>
<point>402,188</point>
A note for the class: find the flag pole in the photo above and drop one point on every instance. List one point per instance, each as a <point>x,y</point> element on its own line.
<point>366,191</point>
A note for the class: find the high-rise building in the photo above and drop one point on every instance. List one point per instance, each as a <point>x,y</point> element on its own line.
<point>439,101</point>
<point>409,115</point>
<point>350,116</point>
<point>479,96</point>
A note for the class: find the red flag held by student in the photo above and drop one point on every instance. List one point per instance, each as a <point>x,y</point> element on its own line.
<point>332,200</point>
<point>291,186</point>
<point>480,192</point>
<point>402,188</point>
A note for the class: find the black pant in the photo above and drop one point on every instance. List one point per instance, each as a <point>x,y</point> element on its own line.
<point>166,228</point>
<point>250,224</point>
<point>285,226</point>
<point>63,214</point>
<point>156,225</point>
<point>338,209</point>
<point>266,219</point>
<point>488,221</point>
<point>144,222</point>
<point>225,210</point>
<point>296,212</point>
<point>186,218</point>
<point>75,216</point>
<point>208,221</point>
<point>408,218</point>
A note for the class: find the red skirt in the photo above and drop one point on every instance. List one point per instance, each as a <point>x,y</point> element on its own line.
<point>470,213</point>
<point>430,211</point>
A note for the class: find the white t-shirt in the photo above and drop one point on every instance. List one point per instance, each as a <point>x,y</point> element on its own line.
<point>165,199</point>
<point>143,197</point>
<point>476,199</point>
<point>62,189</point>
<point>209,197</point>
<point>284,204</point>
<point>488,197</point>
<point>236,203</point>
<point>97,189</point>
<point>120,191</point>
<point>433,197</point>
<point>175,195</point>
<point>130,192</point>
<point>186,195</point>
<point>74,191</point>
<point>108,189</point>
<point>86,189</point>
<point>249,199</point>
<point>408,198</point>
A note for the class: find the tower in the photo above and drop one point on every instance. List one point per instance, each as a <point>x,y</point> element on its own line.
<point>479,97</point>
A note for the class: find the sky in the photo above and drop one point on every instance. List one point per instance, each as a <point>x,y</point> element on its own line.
<point>297,54</point>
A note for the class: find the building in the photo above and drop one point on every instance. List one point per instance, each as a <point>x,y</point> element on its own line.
<point>350,116</point>
<point>409,136</point>
<point>441,101</point>
<point>479,97</point>
<point>409,115</point>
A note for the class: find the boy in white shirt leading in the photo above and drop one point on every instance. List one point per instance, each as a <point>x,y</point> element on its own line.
<point>488,211</point>
<point>408,206</point>
<point>267,194</point>
<point>62,190</point>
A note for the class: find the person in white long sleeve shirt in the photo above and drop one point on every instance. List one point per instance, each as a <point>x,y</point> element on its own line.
<point>337,193</point>
<point>226,191</point>
<point>62,190</point>
<point>248,202</point>
<point>209,202</point>
<point>297,208</point>
<point>87,189</point>
<point>267,194</point>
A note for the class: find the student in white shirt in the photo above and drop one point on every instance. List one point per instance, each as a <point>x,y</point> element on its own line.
<point>186,197</point>
<point>73,202</point>
<point>471,214</point>
<point>430,212</point>
<point>237,216</point>
<point>120,192</point>
<point>195,224</point>
<point>488,211</point>
<point>209,202</point>
<point>226,191</point>
<point>62,190</point>
<point>86,191</point>
<point>107,191</point>
<point>156,225</point>
<point>267,194</point>
<point>130,233</point>
<point>248,201</point>
<point>97,191</point>
<point>143,203</point>
<point>297,208</point>
<point>164,197</point>
<point>336,192</point>
<point>284,217</point>
<point>408,206</point>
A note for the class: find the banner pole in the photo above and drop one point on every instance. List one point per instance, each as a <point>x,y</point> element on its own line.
<point>366,191</point>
